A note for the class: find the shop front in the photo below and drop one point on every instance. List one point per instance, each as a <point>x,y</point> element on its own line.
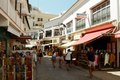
<point>4,50</point>
<point>4,40</point>
<point>7,39</point>
<point>117,36</point>
<point>47,47</point>
<point>104,44</point>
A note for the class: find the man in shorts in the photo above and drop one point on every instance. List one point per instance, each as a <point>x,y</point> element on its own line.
<point>91,59</point>
<point>68,59</point>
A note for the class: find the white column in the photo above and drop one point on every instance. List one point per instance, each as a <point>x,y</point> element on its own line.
<point>88,18</point>
<point>74,25</point>
<point>52,32</point>
<point>44,34</point>
<point>38,35</point>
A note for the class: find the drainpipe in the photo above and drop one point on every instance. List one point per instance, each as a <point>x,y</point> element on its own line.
<point>118,41</point>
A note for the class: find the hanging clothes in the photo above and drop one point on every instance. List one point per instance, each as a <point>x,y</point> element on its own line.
<point>112,58</point>
<point>96,60</point>
<point>106,61</point>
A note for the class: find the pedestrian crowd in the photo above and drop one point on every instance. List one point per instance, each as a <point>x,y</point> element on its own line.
<point>67,58</point>
<point>57,55</point>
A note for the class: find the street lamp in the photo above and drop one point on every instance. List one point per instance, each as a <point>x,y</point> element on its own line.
<point>63,25</point>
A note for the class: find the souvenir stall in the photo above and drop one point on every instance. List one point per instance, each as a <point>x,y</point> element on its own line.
<point>99,37</point>
<point>105,53</point>
<point>19,65</point>
<point>81,58</point>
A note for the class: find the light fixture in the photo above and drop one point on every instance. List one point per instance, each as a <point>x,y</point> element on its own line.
<point>63,25</point>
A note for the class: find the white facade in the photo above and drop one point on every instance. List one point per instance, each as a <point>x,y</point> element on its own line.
<point>82,6</point>
<point>109,12</point>
<point>37,21</point>
<point>86,6</point>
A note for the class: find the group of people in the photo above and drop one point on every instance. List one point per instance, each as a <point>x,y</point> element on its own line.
<point>57,54</point>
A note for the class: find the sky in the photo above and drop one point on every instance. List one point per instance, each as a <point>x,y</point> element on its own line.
<point>52,6</point>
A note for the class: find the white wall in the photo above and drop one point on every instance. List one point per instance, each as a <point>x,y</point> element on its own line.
<point>114,12</point>
<point>86,8</point>
<point>52,23</point>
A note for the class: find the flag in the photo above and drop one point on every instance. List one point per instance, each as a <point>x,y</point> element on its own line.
<point>81,16</point>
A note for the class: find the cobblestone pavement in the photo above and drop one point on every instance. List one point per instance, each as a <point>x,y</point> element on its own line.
<point>45,71</point>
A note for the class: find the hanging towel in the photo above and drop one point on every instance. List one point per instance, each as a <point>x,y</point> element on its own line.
<point>106,61</point>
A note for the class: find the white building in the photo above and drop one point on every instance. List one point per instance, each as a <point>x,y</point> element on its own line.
<point>13,26</point>
<point>37,21</point>
<point>92,20</point>
<point>13,22</point>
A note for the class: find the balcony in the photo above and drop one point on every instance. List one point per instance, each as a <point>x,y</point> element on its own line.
<point>11,14</point>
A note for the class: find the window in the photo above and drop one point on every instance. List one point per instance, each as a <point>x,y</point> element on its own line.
<point>101,12</point>
<point>40,35</point>
<point>36,24</point>
<point>69,27</point>
<point>34,35</point>
<point>40,24</point>
<point>40,19</point>
<point>80,24</point>
<point>49,33</point>
<point>56,32</point>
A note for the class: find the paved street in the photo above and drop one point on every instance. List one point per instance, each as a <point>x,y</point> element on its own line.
<point>45,71</point>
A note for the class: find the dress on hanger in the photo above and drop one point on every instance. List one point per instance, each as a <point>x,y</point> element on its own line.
<point>106,59</point>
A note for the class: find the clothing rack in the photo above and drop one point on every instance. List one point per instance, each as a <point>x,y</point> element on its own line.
<point>17,66</point>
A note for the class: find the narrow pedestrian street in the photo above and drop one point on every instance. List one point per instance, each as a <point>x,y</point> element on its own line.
<point>45,71</point>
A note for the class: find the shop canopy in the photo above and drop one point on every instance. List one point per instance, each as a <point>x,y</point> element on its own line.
<point>68,44</point>
<point>91,36</point>
<point>117,34</point>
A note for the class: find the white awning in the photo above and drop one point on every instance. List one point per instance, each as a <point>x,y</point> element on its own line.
<point>45,44</point>
<point>29,45</point>
<point>68,44</point>
<point>13,31</point>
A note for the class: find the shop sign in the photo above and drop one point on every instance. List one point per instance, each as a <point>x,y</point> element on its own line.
<point>65,41</point>
<point>47,41</point>
<point>62,39</point>
<point>77,36</point>
<point>55,41</point>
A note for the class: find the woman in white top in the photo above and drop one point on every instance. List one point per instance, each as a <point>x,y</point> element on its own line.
<point>68,58</point>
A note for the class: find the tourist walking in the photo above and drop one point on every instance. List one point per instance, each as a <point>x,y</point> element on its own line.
<point>68,58</point>
<point>60,58</point>
<point>91,59</point>
<point>40,55</point>
<point>54,55</point>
